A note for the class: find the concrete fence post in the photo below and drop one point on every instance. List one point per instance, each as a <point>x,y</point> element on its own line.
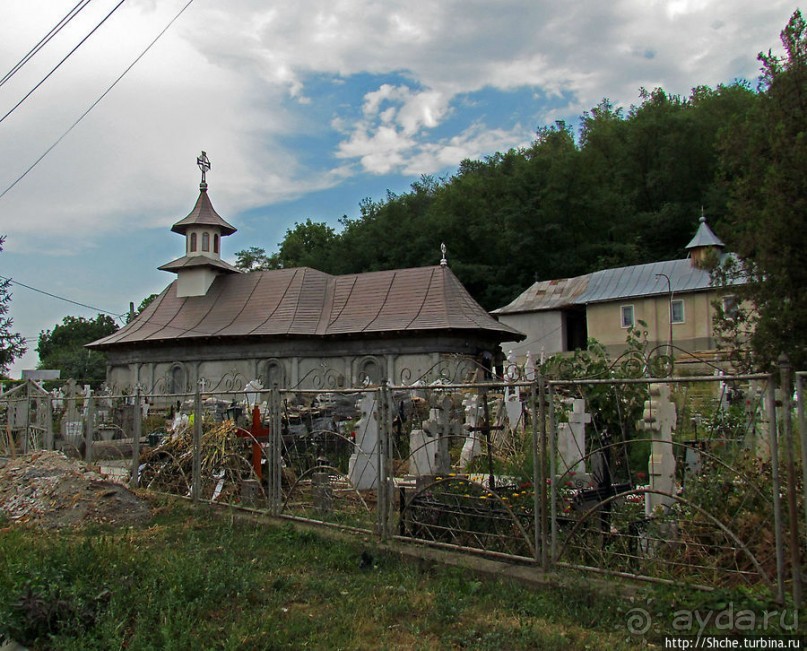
<point>136,433</point>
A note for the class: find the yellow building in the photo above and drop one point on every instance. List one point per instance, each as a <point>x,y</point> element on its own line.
<point>674,298</point>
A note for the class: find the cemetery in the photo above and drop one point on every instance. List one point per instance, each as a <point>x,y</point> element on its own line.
<point>669,479</point>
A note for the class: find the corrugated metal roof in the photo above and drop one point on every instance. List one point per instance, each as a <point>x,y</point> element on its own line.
<point>612,284</point>
<point>306,302</point>
<point>547,295</point>
<point>644,280</point>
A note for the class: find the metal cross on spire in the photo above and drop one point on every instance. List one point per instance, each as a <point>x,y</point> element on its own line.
<point>444,260</point>
<point>204,164</point>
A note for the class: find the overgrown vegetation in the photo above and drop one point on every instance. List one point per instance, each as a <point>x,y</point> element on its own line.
<point>195,580</point>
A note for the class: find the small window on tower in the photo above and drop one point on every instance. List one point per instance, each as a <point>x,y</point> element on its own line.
<point>215,243</point>
<point>205,241</point>
<point>193,241</point>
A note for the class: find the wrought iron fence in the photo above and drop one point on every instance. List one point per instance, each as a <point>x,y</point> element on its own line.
<point>695,479</point>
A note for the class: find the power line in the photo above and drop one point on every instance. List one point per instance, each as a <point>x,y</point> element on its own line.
<point>66,57</point>
<point>62,298</point>
<point>96,102</point>
<point>45,40</point>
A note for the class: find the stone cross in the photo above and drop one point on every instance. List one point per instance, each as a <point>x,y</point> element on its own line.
<point>473,444</point>
<point>659,419</point>
<point>363,463</point>
<point>572,438</point>
<point>443,429</point>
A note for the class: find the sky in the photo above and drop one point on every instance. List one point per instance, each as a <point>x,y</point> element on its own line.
<point>304,107</point>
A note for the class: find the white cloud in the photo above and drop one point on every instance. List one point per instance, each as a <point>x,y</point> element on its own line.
<point>221,78</point>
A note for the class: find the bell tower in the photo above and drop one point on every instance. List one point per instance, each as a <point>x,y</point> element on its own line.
<point>203,229</point>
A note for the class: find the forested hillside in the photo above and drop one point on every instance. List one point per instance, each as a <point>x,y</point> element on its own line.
<point>628,188</point>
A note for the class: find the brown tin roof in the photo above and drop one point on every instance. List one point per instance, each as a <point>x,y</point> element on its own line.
<point>203,214</point>
<point>189,261</point>
<point>309,303</point>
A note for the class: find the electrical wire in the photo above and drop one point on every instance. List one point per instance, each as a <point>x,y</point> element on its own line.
<point>62,298</point>
<point>58,65</point>
<point>96,102</point>
<point>45,40</point>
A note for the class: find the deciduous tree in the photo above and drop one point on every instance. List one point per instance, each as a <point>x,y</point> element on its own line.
<point>63,348</point>
<point>12,344</point>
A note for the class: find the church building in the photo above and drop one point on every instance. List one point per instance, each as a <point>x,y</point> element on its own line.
<point>297,328</point>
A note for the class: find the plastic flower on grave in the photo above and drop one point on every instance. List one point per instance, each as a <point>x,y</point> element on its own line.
<point>515,494</point>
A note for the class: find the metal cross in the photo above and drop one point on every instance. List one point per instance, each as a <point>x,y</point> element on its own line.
<point>204,164</point>
<point>486,428</point>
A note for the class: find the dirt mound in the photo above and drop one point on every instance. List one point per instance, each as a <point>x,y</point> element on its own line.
<point>52,491</point>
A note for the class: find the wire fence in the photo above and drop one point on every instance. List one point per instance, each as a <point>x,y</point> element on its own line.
<point>697,480</point>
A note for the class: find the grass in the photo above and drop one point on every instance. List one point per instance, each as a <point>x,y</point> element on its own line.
<point>201,580</point>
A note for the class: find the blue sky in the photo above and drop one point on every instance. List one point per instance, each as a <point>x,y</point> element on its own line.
<point>304,108</point>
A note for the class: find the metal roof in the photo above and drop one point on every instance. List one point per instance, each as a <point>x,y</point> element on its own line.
<point>189,261</point>
<point>704,237</point>
<point>203,214</point>
<point>612,284</point>
<point>306,302</point>
<point>547,295</point>
<point>645,280</point>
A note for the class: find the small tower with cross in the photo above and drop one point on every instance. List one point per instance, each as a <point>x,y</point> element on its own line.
<point>203,229</point>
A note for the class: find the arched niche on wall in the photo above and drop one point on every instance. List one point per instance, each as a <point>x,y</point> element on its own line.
<point>370,370</point>
<point>272,372</point>
<point>177,379</point>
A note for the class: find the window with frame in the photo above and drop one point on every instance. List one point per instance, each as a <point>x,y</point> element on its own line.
<point>677,311</point>
<point>730,306</point>
<point>627,316</point>
<point>205,241</point>
<point>215,243</point>
<point>193,242</point>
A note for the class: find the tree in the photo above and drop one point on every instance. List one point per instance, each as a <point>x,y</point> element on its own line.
<point>307,245</point>
<point>255,259</point>
<point>765,167</point>
<point>12,344</point>
<point>63,348</point>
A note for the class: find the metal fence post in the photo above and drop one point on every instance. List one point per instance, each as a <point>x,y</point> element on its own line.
<point>136,431</point>
<point>536,460</point>
<point>803,435</point>
<point>384,493</point>
<point>553,489</point>
<point>776,487</point>
<point>90,426</point>
<point>275,485</point>
<point>196,485</point>
<point>785,376</point>
<point>542,472</point>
